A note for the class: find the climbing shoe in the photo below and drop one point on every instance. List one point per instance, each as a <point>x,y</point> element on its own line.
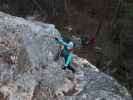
<point>72,69</point>
<point>64,68</point>
<point>69,68</point>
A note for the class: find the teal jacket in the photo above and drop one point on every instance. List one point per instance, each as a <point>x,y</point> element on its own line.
<point>66,51</point>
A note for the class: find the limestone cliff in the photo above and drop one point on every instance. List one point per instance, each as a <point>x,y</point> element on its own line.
<point>28,70</point>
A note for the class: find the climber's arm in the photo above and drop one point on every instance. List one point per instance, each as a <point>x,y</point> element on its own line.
<point>60,41</point>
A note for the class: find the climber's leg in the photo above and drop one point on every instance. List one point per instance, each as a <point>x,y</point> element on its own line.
<point>65,57</point>
<point>68,62</point>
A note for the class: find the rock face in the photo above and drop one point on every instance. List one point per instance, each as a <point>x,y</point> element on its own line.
<point>28,70</point>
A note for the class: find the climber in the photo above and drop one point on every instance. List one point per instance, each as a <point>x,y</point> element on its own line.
<point>66,52</point>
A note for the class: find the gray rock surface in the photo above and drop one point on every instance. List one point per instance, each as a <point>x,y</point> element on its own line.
<point>30,72</point>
